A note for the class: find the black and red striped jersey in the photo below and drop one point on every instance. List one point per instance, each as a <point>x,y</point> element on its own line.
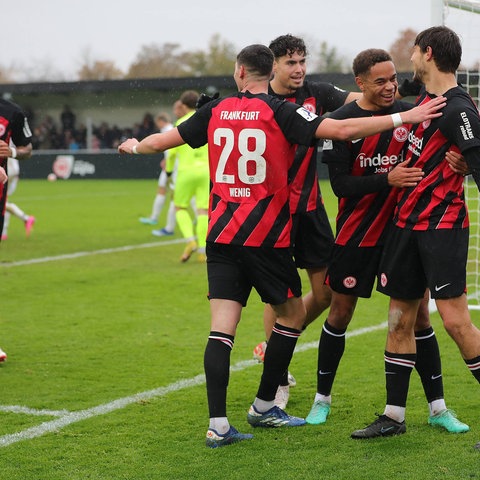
<point>13,126</point>
<point>438,202</point>
<point>252,140</point>
<point>319,98</point>
<point>358,172</point>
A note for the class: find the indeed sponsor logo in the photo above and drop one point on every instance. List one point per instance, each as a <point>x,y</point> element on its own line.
<point>415,143</point>
<point>384,162</point>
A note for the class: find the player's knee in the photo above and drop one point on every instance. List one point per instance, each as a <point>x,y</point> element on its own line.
<point>395,320</point>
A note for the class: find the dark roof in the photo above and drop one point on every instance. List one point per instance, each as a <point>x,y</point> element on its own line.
<point>159,84</point>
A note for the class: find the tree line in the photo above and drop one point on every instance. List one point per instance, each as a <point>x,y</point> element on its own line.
<point>169,60</point>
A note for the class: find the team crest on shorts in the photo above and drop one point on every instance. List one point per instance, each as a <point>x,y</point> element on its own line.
<point>383,279</point>
<point>349,282</point>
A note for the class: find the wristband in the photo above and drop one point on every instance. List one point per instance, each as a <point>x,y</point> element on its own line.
<point>134,149</point>
<point>396,119</point>
<point>14,152</point>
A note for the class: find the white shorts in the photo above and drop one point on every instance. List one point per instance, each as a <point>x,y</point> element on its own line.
<point>13,170</point>
<point>163,179</point>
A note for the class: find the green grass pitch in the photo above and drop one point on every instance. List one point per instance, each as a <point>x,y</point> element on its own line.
<point>105,331</point>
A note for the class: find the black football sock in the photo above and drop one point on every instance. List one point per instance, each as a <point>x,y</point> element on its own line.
<point>216,363</point>
<point>284,380</point>
<point>428,364</point>
<point>330,351</point>
<point>474,367</point>
<point>398,367</point>
<point>277,359</point>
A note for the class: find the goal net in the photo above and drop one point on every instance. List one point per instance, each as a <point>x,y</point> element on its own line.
<point>471,80</point>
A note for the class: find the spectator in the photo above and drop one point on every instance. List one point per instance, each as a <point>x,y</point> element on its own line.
<point>67,117</point>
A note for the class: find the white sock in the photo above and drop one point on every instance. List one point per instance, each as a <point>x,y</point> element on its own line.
<point>6,222</point>
<point>158,204</point>
<point>263,406</point>
<point>17,211</point>
<point>219,424</point>
<point>437,406</point>
<point>323,398</point>
<point>395,412</point>
<point>171,218</point>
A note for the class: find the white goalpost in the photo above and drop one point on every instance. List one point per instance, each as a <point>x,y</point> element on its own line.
<point>463,16</point>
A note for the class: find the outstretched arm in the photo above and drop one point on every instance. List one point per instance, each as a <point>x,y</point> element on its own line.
<point>352,128</point>
<point>21,153</point>
<point>155,143</point>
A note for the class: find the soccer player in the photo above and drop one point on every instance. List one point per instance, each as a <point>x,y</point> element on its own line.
<point>164,124</point>
<point>365,175</point>
<point>427,245</point>
<point>192,182</point>
<point>252,139</point>
<point>15,142</point>
<point>312,236</point>
<point>14,130</point>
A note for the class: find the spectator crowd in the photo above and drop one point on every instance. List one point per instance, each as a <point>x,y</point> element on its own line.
<point>68,135</point>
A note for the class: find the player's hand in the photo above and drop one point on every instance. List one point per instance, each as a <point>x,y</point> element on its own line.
<point>402,176</point>
<point>3,175</point>
<point>409,88</point>
<point>457,163</point>
<point>203,99</point>
<point>426,111</point>
<point>127,145</point>
<point>4,149</point>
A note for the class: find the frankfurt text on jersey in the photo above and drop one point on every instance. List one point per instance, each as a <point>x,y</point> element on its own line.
<point>238,115</point>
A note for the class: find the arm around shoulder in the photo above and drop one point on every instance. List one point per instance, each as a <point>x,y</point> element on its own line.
<point>352,128</point>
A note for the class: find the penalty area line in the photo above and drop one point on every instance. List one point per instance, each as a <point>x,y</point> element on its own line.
<point>78,416</point>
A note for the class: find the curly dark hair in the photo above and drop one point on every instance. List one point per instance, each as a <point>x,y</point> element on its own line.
<point>287,45</point>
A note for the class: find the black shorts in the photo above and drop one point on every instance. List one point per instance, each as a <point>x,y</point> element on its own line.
<point>415,260</point>
<point>353,270</point>
<point>312,238</point>
<point>234,270</point>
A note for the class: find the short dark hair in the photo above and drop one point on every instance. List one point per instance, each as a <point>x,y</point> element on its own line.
<point>366,59</point>
<point>287,45</point>
<point>257,59</point>
<point>446,47</point>
<point>189,98</point>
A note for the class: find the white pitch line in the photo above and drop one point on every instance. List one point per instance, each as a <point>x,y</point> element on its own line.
<point>32,411</point>
<point>69,256</point>
<point>74,417</point>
